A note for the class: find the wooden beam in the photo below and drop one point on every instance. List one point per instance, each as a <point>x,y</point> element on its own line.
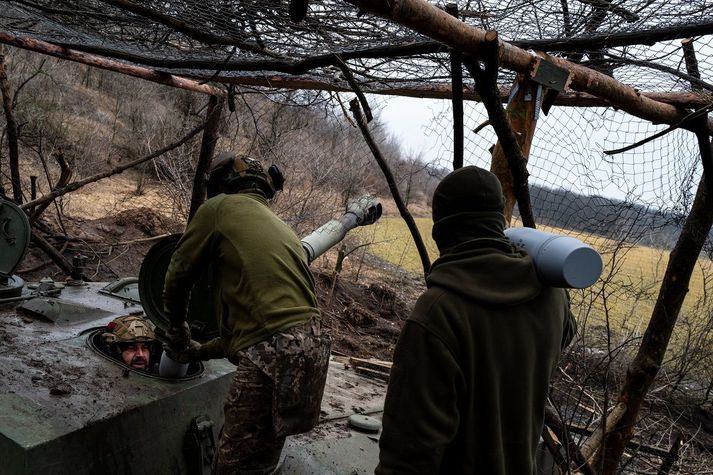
<point>152,75</point>
<point>688,100</point>
<point>427,19</point>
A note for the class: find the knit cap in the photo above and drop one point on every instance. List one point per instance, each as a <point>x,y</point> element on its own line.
<point>468,189</point>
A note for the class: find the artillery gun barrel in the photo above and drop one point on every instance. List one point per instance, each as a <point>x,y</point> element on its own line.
<point>360,212</point>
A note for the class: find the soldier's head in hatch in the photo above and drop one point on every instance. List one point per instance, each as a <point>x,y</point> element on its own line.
<point>132,340</point>
<point>231,173</point>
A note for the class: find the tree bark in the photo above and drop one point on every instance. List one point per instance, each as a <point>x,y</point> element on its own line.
<point>210,138</point>
<point>12,132</point>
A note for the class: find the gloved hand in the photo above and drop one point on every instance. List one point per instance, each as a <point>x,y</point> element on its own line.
<point>189,354</point>
<point>178,338</point>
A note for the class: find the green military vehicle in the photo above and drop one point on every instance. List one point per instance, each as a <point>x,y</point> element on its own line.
<point>68,407</point>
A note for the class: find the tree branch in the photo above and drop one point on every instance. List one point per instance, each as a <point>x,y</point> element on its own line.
<point>403,210</point>
<point>487,86</point>
<point>210,138</point>
<point>674,287</point>
<point>114,171</point>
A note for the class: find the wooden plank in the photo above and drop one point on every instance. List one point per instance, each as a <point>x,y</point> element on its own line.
<point>370,373</point>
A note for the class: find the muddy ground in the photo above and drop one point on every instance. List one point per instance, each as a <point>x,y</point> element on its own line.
<point>364,308</point>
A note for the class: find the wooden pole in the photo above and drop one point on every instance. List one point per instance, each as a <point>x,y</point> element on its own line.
<point>403,210</point>
<point>685,100</point>
<point>153,75</point>
<point>210,138</point>
<point>12,132</point>
<point>428,19</point>
<point>456,97</point>
<point>521,113</point>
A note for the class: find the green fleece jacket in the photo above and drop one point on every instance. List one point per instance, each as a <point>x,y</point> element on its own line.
<point>262,283</point>
<point>473,363</point>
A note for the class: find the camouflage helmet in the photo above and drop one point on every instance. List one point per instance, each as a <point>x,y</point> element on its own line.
<point>231,173</point>
<point>129,329</point>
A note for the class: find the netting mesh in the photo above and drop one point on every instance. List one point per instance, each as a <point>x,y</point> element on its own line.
<point>238,38</point>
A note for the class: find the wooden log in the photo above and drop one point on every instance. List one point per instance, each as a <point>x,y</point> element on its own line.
<point>427,19</point>
<point>687,100</point>
<point>521,113</point>
<point>152,75</point>
<point>210,138</point>
<point>12,132</point>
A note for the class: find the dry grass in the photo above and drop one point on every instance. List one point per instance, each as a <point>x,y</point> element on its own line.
<point>627,290</point>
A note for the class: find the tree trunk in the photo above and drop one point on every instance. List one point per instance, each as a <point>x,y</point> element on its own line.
<point>642,371</point>
<point>210,137</point>
<point>12,134</point>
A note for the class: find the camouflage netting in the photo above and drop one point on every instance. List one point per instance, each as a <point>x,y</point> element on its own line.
<point>241,38</point>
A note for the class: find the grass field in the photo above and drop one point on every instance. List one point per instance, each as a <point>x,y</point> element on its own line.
<point>627,289</point>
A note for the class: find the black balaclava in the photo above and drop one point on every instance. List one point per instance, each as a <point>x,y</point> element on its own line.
<point>467,204</point>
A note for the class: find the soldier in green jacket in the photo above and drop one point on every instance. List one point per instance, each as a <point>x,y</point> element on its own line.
<point>266,310</point>
<point>473,363</point>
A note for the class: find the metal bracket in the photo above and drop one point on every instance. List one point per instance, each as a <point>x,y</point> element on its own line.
<point>199,446</point>
<point>550,75</point>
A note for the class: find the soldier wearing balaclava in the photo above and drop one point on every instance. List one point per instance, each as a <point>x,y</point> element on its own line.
<point>473,362</point>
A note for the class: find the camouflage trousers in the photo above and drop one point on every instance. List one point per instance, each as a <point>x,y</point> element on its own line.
<point>276,392</point>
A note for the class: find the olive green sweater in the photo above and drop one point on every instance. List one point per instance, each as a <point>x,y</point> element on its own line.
<point>262,284</point>
<point>472,365</point>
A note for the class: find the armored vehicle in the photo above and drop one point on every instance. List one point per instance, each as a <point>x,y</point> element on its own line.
<point>66,406</point>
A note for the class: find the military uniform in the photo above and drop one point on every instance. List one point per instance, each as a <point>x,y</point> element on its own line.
<point>269,324</point>
<point>473,362</point>
<point>276,392</point>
